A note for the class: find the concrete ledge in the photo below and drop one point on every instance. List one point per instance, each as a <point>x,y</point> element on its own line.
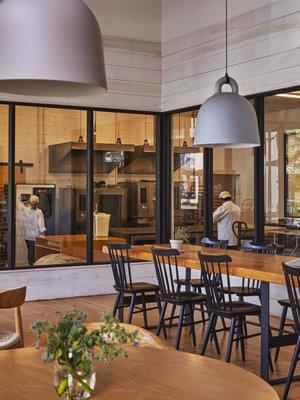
<point>70,281</point>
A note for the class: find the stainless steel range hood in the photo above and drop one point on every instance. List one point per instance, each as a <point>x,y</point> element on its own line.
<point>71,157</point>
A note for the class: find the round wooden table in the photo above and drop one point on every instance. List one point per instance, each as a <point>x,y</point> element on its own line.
<point>148,374</point>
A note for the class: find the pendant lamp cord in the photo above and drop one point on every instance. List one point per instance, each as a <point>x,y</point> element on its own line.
<point>226,41</point>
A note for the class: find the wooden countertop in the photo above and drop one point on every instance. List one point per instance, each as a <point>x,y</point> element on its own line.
<point>76,238</point>
<point>147,374</point>
<point>249,265</point>
<point>73,245</point>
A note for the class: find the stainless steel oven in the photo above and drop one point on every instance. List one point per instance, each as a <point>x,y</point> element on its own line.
<point>142,201</point>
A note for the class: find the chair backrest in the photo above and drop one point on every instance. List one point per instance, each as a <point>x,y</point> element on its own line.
<point>220,244</point>
<point>212,268</point>
<point>120,264</point>
<point>166,268</point>
<point>12,298</point>
<point>292,279</point>
<point>252,247</point>
<point>239,229</point>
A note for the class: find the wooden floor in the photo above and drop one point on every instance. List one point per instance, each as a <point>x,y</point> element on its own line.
<point>93,305</point>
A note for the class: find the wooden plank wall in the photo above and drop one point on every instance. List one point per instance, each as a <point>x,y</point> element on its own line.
<point>143,75</point>
<point>133,69</point>
<point>264,55</point>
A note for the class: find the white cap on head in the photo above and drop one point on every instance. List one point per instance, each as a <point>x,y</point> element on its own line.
<point>34,199</point>
<point>224,194</point>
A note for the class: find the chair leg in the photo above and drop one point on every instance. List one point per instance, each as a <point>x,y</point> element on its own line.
<point>121,308</point>
<point>281,329</point>
<point>173,308</point>
<point>209,331</point>
<point>292,369</point>
<point>161,319</point>
<point>230,339</point>
<point>215,337</point>
<point>116,305</point>
<point>131,308</point>
<point>172,315</point>
<point>144,308</point>
<point>191,310</point>
<point>224,323</point>
<point>179,326</point>
<point>163,322</point>
<point>241,336</point>
<point>202,311</point>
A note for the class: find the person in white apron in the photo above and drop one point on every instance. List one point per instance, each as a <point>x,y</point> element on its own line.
<point>34,225</point>
<point>225,216</point>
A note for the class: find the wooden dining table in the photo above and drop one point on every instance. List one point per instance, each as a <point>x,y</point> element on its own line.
<point>265,268</point>
<point>147,374</point>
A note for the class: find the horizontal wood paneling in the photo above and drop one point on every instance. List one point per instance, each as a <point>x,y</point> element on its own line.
<point>133,70</point>
<point>264,54</point>
<point>246,20</point>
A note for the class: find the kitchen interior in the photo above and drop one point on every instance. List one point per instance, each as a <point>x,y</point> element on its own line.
<point>51,163</point>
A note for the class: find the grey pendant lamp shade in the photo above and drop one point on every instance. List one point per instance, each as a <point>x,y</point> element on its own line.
<point>50,48</point>
<point>226,119</point>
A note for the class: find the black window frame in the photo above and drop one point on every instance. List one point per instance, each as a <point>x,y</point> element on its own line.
<point>163,173</point>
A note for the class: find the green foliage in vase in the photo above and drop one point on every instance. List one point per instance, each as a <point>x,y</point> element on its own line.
<point>69,342</point>
<point>182,233</point>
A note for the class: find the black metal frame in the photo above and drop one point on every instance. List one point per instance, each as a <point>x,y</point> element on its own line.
<point>259,176</point>
<point>163,172</point>
<point>90,188</point>
<point>286,183</point>
<point>208,191</point>
<point>163,178</point>
<point>11,233</point>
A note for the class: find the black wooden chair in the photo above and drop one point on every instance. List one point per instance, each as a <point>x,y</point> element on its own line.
<point>251,287</point>
<point>167,271</point>
<point>292,278</point>
<point>240,230</point>
<point>220,303</point>
<point>285,304</point>
<point>197,283</point>
<point>135,295</point>
<point>216,243</point>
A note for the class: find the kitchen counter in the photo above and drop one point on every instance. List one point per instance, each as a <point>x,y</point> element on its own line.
<point>73,245</point>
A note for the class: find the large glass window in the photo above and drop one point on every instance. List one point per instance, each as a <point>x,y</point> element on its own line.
<point>292,173</point>
<point>233,172</point>
<point>282,167</point>
<point>3,183</point>
<point>124,179</point>
<point>50,186</point>
<point>187,176</point>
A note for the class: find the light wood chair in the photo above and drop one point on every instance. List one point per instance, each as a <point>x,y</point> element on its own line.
<point>144,337</point>
<point>13,299</point>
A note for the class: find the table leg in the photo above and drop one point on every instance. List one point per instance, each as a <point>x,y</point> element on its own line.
<point>264,345</point>
<point>188,275</point>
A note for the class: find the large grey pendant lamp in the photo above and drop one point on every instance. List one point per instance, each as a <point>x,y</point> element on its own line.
<point>50,48</point>
<point>226,119</point>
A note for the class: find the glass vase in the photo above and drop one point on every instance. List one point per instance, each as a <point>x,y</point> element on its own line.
<point>75,385</point>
